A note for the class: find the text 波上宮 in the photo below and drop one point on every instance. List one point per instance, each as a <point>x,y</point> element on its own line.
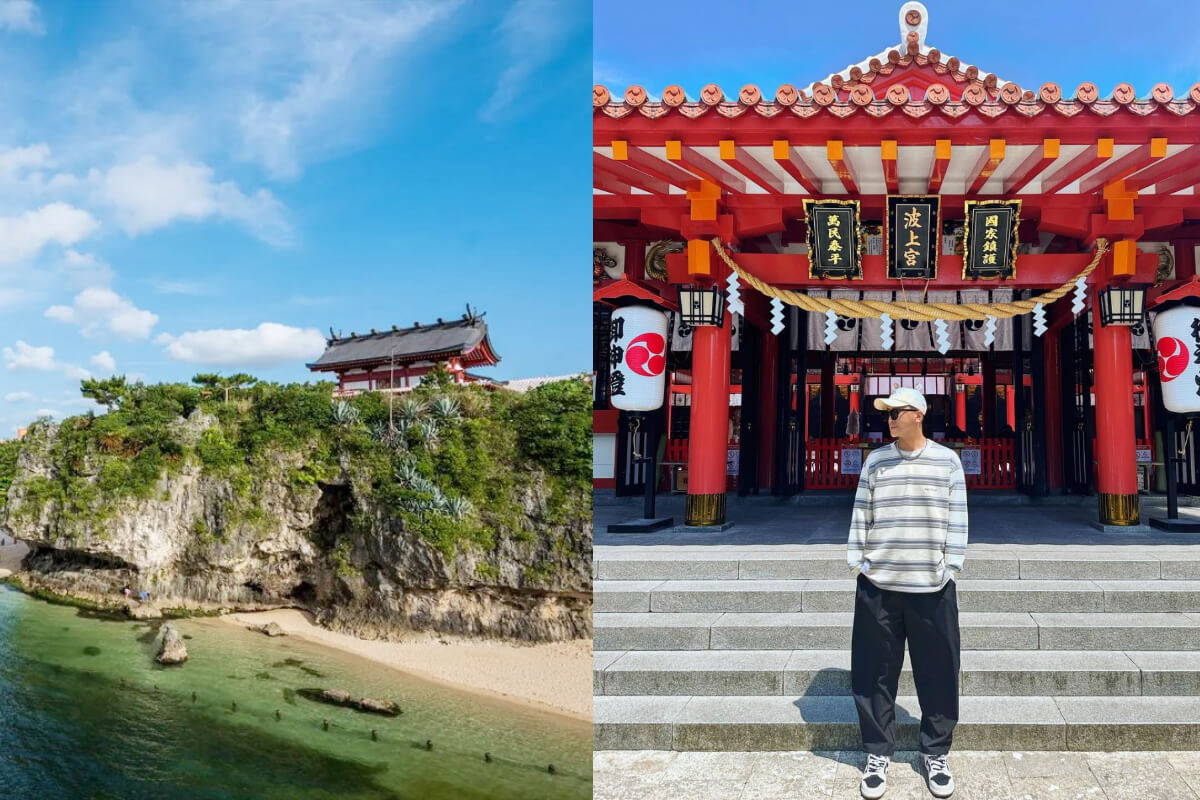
<point>833,239</point>
<point>913,227</point>
<point>991,239</point>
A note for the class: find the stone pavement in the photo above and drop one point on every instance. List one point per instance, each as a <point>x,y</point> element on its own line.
<point>978,775</point>
<point>824,518</point>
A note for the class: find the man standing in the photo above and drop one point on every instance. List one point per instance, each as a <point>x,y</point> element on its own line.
<point>908,534</point>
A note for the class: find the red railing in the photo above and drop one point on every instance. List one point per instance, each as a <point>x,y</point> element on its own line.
<point>997,466</point>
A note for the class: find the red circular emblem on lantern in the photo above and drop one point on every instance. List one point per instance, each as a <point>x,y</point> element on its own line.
<point>1172,358</point>
<point>646,355</point>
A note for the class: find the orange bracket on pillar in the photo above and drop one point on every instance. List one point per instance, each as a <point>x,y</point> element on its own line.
<point>704,208</point>
<point>1120,200</point>
<point>1124,258</point>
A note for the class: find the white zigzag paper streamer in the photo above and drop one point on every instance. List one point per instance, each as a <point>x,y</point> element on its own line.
<point>885,331</point>
<point>1039,320</point>
<point>734,299</point>
<point>776,316</point>
<point>1079,301</point>
<point>943,335</point>
<point>989,331</point>
<point>830,326</point>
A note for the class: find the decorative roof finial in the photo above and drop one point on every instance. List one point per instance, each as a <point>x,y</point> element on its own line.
<point>914,19</point>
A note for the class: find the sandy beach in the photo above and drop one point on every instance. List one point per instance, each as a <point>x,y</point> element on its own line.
<point>554,677</point>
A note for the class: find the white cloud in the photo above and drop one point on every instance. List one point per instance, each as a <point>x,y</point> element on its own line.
<point>12,296</point>
<point>97,308</point>
<point>47,412</point>
<point>146,194</point>
<point>268,344</point>
<point>82,270</point>
<point>532,33</point>
<point>39,359</point>
<point>20,15</point>
<point>27,356</point>
<point>18,397</point>
<point>334,58</point>
<point>104,361</point>
<point>23,236</point>
<point>17,158</point>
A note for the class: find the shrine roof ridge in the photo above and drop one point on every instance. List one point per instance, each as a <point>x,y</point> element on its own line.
<point>953,88</point>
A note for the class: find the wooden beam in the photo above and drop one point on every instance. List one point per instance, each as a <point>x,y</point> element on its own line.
<point>655,167</point>
<point>1131,162</point>
<point>941,162</point>
<point>1181,180</point>
<point>743,162</point>
<point>888,152</point>
<point>841,166</point>
<point>627,174</point>
<point>789,158</point>
<point>704,168</point>
<point>1032,166</point>
<point>1081,164</point>
<point>1180,162</point>
<point>989,159</point>
<point>608,183</point>
<point>1120,201</point>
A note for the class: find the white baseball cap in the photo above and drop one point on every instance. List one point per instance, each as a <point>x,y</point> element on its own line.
<point>902,397</point>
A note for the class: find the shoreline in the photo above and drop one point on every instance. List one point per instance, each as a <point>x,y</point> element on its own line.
<point>553,678</point>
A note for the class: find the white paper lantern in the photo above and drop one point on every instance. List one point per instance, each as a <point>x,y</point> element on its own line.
<point>638,349</point>
<point>1177,331</point>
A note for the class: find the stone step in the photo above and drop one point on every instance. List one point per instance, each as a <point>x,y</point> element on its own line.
<point>1081,596</point>
<point>1023,673</point>
<point>737,723</point>
<point>828,562</point>
<point>831,631</point>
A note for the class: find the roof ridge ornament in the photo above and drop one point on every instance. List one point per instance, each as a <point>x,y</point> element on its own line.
<point>914,25</point>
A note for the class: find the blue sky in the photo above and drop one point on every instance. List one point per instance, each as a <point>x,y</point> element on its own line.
<point>210,186</point>
<point>771,43</point>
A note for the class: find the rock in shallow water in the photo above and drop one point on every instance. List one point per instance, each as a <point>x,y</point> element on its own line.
<point>173,650</point>
<point>270,629</point>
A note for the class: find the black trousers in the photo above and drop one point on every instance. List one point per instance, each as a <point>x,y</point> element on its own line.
<point>883,620</point>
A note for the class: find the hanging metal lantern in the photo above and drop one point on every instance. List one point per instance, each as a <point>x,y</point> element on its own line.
<point>1122,305</point>
<point>699,306</point>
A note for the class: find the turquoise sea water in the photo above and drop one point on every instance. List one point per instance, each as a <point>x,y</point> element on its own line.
<point>86,713</point>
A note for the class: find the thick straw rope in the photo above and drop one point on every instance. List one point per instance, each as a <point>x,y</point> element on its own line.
<point>925,312</point>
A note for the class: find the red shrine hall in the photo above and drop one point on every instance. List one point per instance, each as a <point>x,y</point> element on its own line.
<point>397,359</point>
<point>911,220</point>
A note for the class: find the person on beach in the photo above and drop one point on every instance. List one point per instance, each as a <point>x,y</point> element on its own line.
<point>908,536</point>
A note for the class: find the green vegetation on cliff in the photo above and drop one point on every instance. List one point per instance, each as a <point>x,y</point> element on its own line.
<point>461,466</point>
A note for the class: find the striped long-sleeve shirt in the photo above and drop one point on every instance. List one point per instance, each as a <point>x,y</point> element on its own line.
<point>908,530</point>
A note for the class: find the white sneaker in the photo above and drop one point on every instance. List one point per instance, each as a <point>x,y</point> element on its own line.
<point>937,775</point>
<point>874,781</point>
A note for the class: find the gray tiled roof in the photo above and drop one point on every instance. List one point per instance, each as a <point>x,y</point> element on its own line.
<point>456,336</point>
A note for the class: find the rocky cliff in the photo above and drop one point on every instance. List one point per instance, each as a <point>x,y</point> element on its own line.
<point>370,531</point>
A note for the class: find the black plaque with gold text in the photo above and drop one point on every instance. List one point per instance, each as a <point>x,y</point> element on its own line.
<point>834,249</point>
<point>913,226</point>
<point>990,249</point>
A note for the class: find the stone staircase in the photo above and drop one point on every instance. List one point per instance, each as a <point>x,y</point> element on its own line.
<point>732,648</point>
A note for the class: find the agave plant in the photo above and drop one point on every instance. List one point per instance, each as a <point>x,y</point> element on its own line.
<point>410,409</point>
<point>380,432</point>
<point>458,507</point>
<point>344,413</point>
<point>406,472</point>
<point>430,432</point>
<point>446,408</point>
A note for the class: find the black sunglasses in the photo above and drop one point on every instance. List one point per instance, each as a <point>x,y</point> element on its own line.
<point>896,412</point>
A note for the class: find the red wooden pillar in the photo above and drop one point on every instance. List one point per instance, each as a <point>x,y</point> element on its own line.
<point>960,407</point>
<point>707,442</point>
<point>768,405</point>
<point>1053,366</point>
<point>1116,470</point>
<point>1010,401</point>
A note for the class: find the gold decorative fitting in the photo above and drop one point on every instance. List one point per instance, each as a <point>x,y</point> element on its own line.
<point>705,509</point>
<point>1119,509</point>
